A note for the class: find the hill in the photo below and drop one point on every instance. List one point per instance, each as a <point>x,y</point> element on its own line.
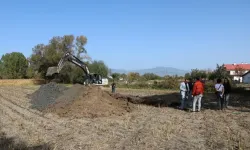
<point>161,71</point>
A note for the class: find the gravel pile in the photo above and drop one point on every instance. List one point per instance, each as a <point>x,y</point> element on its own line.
<point>46,95</point>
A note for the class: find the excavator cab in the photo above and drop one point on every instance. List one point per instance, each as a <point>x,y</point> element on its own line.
<point>96,79</point>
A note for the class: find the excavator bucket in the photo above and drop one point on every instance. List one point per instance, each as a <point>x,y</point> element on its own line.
<point>51,71</point>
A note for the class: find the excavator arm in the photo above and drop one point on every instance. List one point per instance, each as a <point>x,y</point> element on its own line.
<point>89,78</point>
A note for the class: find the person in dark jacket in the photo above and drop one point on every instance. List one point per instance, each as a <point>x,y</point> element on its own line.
<point>113,86</point>
<point>190,84</point>
<point>227,87</point>
<point>190,99</point>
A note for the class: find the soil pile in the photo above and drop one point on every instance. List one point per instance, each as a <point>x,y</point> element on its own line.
<point>46,95</point>
<point>78,101</point>
<point>92,102</point>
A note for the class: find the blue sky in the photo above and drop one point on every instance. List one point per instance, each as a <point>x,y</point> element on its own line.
<point>135,34</point>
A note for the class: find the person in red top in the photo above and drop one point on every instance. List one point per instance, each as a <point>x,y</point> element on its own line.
<point>197,93</point>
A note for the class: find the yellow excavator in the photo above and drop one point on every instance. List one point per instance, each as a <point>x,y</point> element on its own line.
<point>89,78</point>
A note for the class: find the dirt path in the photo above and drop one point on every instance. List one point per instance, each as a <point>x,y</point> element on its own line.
<point>145,128</point>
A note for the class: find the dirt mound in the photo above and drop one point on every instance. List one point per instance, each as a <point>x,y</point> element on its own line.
<point>79,101</point>
<point>46,95</point>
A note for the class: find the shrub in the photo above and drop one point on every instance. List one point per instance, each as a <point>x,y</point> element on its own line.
<point>168,83</point>
<point>209,87</point>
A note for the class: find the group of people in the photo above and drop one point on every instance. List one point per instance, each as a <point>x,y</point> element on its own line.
<point>192,93</point>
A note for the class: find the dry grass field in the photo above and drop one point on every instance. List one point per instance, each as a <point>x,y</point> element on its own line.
<point>148,126</point>
<point>21,82</point>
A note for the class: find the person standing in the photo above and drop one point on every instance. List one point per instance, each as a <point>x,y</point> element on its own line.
<point>184,89</point>
<point>113,87</point>
<point>190,98</point>
<point>220,94</point>
<point>227,87</point>
<point>197,94</point>
<point>203,81</point>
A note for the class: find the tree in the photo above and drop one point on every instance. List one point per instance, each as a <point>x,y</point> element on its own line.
<point>212,76</point>
<point>30,73</point>
<point>2,69</point>
<point>37,60</point>
<point>14,65</point>
<point>80,43</point>
<point>68,43</point>
<point>116,76</point>
<point>44,56</point>
<point>99,67</point>
<point>132,76</point>
<point>48,55</point>
<point>219,72</point>
<point>187,75</point>
<point>198,73</point>
<point>150,76</point>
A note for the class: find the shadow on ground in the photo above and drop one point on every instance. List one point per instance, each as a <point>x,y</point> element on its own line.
<point>10,144</point>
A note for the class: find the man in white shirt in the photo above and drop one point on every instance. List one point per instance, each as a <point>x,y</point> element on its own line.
<point>220,93</point>
<point>184,89</point>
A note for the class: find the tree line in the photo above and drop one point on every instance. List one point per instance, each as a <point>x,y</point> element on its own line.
<point>219,72</point>
<point>153,81</point>
<point>16,66</point>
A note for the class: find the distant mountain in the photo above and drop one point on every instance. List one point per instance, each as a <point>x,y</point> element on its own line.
<point>161,71</point>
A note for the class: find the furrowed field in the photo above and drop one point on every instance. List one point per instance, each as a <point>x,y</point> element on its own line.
<point>93,118</point>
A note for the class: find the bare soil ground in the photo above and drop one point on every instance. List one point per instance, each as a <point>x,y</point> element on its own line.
<point>146,127</point>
